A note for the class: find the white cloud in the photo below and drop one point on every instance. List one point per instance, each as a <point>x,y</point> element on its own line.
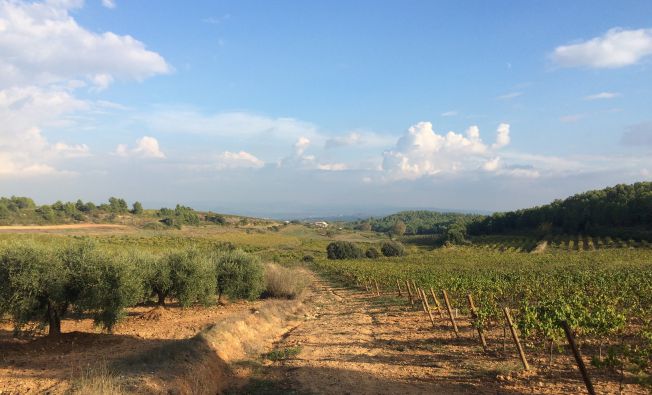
<point>509,96</point>
<point>422,152</point>
<point>449,114</point>
<point>41,43</point>
<point>602,96</point>
<point>108,4</point>
<point>44,57</point>
<point>72,151</point>
<point>492,164</point>
<point>301,145</point>
<point>332,166</point>
<point>502,136</point>
<point>242,159</point>
<point>146,147</point>
<point>616,48</point>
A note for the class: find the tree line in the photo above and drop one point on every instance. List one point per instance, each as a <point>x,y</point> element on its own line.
<point>44,284</point>
<point>415,222</point>
<point>620,208</point>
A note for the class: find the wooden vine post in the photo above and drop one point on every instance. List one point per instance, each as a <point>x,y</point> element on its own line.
<point>450,313</point>
<point>407,284</point>
<point>512,328</point>
<point>578,358</point>
<point>398,285</point>
<point>474,316</point>
<point>425,301</point>
<point>377,289</point>
<point>437,304</point>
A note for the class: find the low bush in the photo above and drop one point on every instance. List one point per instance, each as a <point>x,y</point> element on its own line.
<point>372,253</point>
<point>343,250</point>
<point>392,248</point>
<point>282,282</point>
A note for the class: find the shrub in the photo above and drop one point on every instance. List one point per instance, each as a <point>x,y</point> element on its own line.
<point>308,258</point>
<point>192,276</point>
<point>392,248</point>
<point>281,282</point>
<point>372,253</point>
<point>239,275</point>
<point>343,250</point>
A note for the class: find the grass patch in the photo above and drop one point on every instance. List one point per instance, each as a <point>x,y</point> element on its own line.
<point>97,380</point>
<point>281,354</point>
<point>283,282</point>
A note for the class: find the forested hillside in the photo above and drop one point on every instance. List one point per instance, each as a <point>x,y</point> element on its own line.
<point>418,222</point>
<point>609,210</point>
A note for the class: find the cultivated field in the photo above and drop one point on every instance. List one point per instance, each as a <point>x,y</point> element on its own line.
<point>341,335</point>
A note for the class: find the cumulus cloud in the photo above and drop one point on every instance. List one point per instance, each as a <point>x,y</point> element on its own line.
<point>242,159</point>
<point>24,112</point>
<point>301,145</point>
<point>45,56</point>
<point>146,147</point>
<point>423,152</point>
<point>492,164</point>
<point>61,50</point>
<point>502,136</point>
<point>602,96</point>
<point>108,4</point>
<point>616,48</point>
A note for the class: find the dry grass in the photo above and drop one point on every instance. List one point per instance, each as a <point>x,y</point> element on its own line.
<point>97,380</point>
<point>282,282</point>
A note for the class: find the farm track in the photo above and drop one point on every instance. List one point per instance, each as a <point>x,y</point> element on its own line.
<point>356,343</point>
<point>359,344</point>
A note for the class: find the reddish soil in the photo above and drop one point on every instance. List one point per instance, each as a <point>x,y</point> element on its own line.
<point>41,364</point>
<point>360,344</point>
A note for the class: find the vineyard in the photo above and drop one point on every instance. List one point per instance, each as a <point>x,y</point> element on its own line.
<point>606,297</point>
<point>556,243</point>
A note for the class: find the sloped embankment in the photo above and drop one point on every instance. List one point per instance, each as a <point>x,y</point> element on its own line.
<point>200,365</point>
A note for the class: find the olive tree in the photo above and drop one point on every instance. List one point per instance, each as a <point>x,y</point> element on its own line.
<point>239,275</point>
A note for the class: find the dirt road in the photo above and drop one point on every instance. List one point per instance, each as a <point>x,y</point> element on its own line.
<point>356,343</point>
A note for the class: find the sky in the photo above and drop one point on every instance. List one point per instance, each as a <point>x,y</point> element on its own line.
<point>292,108</point>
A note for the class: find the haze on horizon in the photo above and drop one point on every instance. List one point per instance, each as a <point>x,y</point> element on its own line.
<point>325,108</point>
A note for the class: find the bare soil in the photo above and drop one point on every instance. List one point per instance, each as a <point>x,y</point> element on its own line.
<point>356,343</point>
<point>40,364</point>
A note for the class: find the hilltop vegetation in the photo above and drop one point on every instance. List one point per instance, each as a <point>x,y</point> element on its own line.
<point>418,222</point>
<point>622,211</point>
<point>17,210</point>
<point>614,210</point>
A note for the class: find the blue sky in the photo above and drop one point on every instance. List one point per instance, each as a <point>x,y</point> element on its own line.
<point>323,107</point>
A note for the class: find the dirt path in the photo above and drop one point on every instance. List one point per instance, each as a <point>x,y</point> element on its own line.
<point>356,343</point>
<point>359,344</point>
